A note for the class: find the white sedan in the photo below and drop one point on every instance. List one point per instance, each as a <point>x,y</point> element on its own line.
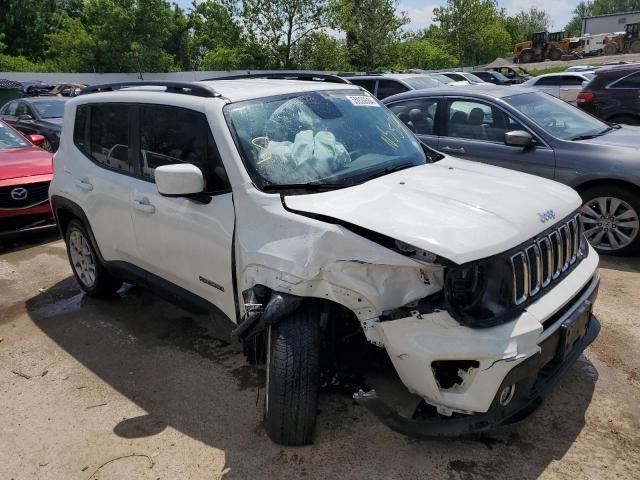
<point>564,85</point>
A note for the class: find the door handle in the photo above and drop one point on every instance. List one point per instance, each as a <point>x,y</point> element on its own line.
<point>84,185</point>
<point>447,148</point>
<point>143,205</point>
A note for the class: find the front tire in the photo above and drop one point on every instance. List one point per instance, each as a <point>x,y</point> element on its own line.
<point>610,215</point>
<point>91,275</point>
<point>293,377</point>
<point>555,54</point>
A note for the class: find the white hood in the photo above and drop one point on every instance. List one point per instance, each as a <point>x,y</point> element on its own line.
<point>457,209</point>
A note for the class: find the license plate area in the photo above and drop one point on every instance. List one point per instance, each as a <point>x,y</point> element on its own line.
<point>573,329</point>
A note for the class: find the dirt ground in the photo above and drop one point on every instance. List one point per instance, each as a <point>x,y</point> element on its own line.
<point>137,388</point>
<point>600,60</point>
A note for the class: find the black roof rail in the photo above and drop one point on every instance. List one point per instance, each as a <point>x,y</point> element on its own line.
<point>317,77</point>
<point>185,88</point>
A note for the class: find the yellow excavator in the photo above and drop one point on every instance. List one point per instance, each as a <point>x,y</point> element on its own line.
<point>545,45</point>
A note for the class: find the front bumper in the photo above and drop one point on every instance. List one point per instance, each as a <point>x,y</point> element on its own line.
<point>533,379</point>
<point>521,351</point>
<point>16,223</point>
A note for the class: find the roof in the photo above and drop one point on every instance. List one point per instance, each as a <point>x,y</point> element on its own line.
<point>44,98</point>
<point>559,74</point>
<point>612,14</point>
<point>480,91</point>
<point>398,76</point>
<point>9,84</point>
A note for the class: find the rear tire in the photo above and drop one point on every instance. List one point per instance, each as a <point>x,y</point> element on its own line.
<point>610,215</point>
<point>635,47</point>
<point>293,377</point>
<point>90,274</point>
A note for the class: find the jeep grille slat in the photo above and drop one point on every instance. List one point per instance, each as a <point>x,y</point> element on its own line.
<point>539,264</point>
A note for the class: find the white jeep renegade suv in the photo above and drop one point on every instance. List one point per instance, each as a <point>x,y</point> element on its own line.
<point>294,210</point>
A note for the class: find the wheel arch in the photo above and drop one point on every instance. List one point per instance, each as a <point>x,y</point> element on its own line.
<point>612,182</point>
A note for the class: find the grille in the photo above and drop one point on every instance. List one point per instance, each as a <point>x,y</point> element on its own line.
<point>37,193</point>
<point>541,263</point>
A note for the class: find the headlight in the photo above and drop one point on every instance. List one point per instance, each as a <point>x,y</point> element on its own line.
<point>479,295</point>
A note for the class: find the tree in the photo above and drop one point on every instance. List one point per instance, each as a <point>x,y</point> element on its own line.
<point>574,27</point>
<point>526,22</point>
<point>25,23</point>
<point>319,51</point>
<point>281,24</point>
<point>422,53</point>
<point>227,59</point>
<point>71,48</point>
<point>371,26</point>
<point>474,28</point>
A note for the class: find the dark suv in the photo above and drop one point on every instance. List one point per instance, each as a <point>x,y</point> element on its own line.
<point>613,94</point>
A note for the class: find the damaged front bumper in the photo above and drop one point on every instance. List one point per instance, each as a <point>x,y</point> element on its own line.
<point>512,365</point>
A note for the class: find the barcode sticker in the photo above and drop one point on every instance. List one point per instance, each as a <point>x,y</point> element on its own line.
<point>362,101</point>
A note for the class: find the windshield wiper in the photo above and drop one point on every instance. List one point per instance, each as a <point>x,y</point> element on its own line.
<point>386,171</point>
<point>593,135</point>
<point>313,187</point>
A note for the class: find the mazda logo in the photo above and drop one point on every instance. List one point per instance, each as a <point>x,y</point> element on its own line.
<point>19,193</point>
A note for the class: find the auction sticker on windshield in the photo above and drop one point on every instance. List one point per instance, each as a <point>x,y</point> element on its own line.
<point>362,101</point>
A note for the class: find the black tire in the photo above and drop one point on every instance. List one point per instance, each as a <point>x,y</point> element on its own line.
<point>626,195</point>
<point>526,56</point>
<point>101,283</point>
<point>610,49</point>
<point>293,377</point>
<point>625,119</point>
<point>555,54</point>
<point>635,47</point>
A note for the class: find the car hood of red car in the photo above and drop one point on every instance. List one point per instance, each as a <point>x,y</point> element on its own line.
<point>24,162</point>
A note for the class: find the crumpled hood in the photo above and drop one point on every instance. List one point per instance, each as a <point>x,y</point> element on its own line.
<point>457,209</point>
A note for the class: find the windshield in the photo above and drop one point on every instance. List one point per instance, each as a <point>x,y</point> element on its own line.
<point>335,138</point>
<point>500,77</point>
<point>418,83</point>
<point>10,139</point>
<point>53,109</point>
<point>443,78</point>
<point>472,77</point>
<point>556,117</point>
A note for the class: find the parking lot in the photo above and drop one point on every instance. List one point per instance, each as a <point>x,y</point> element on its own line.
<point>137,388</point>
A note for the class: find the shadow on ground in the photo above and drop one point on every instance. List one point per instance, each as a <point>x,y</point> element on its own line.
<point>621,264</point>
<point>167,361</point>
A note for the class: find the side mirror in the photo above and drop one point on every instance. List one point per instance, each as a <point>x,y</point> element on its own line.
<point>179,180</point>
<point>25,117</point>
<point>36,139</point>
<point>518,138</point>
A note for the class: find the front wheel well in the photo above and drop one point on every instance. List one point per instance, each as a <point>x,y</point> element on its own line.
<point>583,187</point>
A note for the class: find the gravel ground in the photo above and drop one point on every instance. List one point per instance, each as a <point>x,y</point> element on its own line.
<point>137,388</point>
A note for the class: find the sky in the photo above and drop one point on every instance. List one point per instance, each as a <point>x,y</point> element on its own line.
<point>421,11</point>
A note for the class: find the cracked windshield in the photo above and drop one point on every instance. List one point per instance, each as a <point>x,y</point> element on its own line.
<point>310,139</point>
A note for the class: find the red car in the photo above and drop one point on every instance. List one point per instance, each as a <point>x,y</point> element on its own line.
<point>25,173</point>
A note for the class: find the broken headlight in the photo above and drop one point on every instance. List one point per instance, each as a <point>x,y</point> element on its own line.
<point>479,295</point>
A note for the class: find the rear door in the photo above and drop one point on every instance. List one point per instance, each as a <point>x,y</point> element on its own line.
<point>26,118</point>
<point>475,129</point>
<point>185,241</point>
<point>570,86</point>
<point>420,115</point>
<point>9,113</point>
<point>627,92</point>
<point>550,85</point>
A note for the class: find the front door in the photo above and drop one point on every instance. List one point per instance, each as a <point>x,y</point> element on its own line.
<point>475,130</point>
<point>570,86</point>
<point>182,240</point>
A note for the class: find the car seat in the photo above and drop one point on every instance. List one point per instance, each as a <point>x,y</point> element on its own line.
<point>422,122</point>
<point>457,124</point>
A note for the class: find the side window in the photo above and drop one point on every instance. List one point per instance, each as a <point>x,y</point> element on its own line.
<point>632,81</point>
<point>386,88</point>
<point>571,81</point>
<point>369,85</point>
<point>10,109</point>
<point>21,109</point>
<point>80,128</point>
<point>548,82</point>
<point>419,115</point>
<point>475,120</point>
<point>170,135</point>
<point>110,136</point>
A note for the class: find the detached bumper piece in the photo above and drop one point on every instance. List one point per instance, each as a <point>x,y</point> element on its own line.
<point>521,392</point>
<point>18,225</point>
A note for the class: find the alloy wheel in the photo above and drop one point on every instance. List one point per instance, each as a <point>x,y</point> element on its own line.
<point>610,223</point>
<point>82,259</point>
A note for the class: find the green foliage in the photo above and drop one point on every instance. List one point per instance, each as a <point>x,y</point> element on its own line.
<point>542,71</point>
<point>319,51</point>
<point>371,26</point>
<point>71,45</point>
<point>526,22</point>
<point>598,7</point>
<point>420,53</point>
<point>474,28</point>
<point>223,58</point>
<point>280,24</point>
